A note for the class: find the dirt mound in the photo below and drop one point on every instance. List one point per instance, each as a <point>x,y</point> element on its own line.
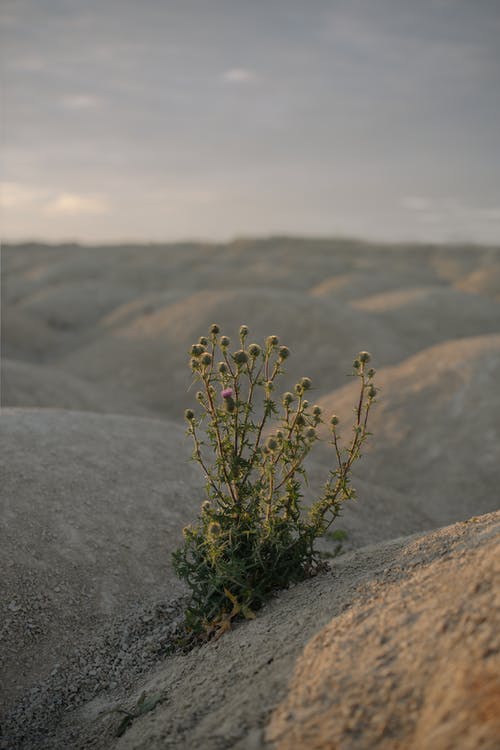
<point>139,352</point>
<point>435,428</point>
<point>482,281</point>
<point>92,507</point>
<point>428,315</point>
<point>388,625</point>
<point>25,384</point>
<point>415,665</point>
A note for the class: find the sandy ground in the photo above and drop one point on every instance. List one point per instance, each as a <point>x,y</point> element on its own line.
<point>96,486</point>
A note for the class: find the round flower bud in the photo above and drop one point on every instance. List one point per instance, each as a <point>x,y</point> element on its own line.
<point>305,383</point>
<point>364,357</point>
<point>197,349</point>
<point>203,340</point>
<point>356,364</point>
<point>287,398</point>
<point>272,341</point>
<point>205,506</point>
<point>269,385</point>
<point>222,368</point>
<point>334,420</point>
<point>310,433</point>
<point>272,443</point>
<point>214,328</point>
<point>371,372</point>
<point>189,415</point>
<point>199,396</point>
<point>372,391</point>
<point>300,420</point>
<point>214,529</point>
<point>193,363</point>
<point>280,434</point>
<point>243,331</point>
<point>284,352</point>
<point>224,341</point>
<point>305,403</point>
<point>254,350</point>
<point>317,411</point>
<point>187,531</point>
<point>206,359</point>
<point>298,389</point>
<point>229,404</point>
<point>240,357</point>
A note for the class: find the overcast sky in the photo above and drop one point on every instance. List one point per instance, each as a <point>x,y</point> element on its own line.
<point>170,119</point>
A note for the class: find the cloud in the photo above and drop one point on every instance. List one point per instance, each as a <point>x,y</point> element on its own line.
<point>72,204</point>
<point>14,195</point>
<point>27,64</point>
<point>416,203</point>
<point>239,76</point>
<point>80,101</point>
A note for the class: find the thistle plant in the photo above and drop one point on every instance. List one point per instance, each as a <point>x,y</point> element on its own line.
<point>253,535</point>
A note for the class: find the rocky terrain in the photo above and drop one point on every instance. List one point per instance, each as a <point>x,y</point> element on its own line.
<point>396,646</point>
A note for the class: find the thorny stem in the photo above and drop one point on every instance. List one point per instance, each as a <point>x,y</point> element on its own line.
<point>219,440</point>
<point>200,460</point>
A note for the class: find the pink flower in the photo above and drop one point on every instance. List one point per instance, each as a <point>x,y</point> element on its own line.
<point>227,393</point>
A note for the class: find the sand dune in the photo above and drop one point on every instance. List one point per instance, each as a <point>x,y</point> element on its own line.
<point>436,428</point>
<point>92,506</point>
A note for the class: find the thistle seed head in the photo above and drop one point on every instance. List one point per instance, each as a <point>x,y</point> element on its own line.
<point>284,352</point>
<point>203,340</point>
<point>229,404</point>
<point>197,349</point>
<point>272,341</point>
<point>243,331</point>
<point>317,411</point>
<point>287,398</point>
<point>206,359</point>
<point>240,357</point>
<point>214,529</point>
<point>224,341</point>
<point>214,329</point>
<point>272,443</point>
<point>364,357</point>
<point>305,383</point>
<point>254,350</point>
<point>334,420</point>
